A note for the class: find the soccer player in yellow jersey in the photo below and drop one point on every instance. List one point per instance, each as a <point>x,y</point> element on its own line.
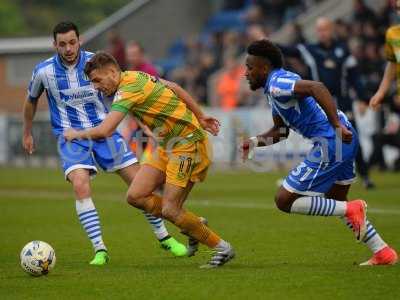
<point>392,70</point>
<point>182,155</point>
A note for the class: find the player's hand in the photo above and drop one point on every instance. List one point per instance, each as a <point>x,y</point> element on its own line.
<point>375,102</point>
<point>347,135</point>
<point>210,124</point>
<point>247,147</point>
<point>71,134</point>
<point>27,143</point>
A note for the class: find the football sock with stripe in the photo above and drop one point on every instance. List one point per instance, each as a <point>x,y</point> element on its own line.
<point>187,222</point>
<point>192,225</point>
<point>90,221</point>
<point>153,205</point>
<point>372,239</point>
<point>157,225</point>
<point>318,206</point>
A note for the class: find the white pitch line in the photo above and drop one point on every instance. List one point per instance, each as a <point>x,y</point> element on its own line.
<point>252,205</point>
<point>229,203</point>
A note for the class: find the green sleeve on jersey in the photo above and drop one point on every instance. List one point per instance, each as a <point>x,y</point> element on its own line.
<point>120,108</point>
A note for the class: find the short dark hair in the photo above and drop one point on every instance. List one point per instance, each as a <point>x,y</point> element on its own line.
<point>99,60</point>
<point>268,50</point>
<point>64,27</point>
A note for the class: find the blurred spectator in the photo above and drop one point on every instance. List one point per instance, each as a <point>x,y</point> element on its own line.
<point>193,77</point>
<point>370,32</point>
<point>356,46</point>
<point>231,45</point>
<point>136,134</point>
<point>254,15</point>
<point>342,30</point>
<point>215,46</point>
<point>228,84</point>
<point>387,15</point>
<point>255,33</point>
<point>361,12</point>
<point>279,11</point>
<point>372,68</point>
<point>295,33</point>
<point>136,60</point>
<point>389,136</point>
<point>206,68</point>
<point>116,47</point>
<point>226,35</point>
<point>193,50</point>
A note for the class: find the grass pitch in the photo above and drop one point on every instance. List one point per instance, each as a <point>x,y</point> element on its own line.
<point>278,255</point>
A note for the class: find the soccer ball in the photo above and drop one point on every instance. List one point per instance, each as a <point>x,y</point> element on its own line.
<point>37,258</point>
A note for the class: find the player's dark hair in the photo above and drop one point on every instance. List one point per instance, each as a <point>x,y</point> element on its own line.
<point>268,50</point>
<point>99,60</point>
<point>64,27</point>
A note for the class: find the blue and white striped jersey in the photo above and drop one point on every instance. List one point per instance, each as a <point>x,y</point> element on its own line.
<point>304,116</point>
<point>73,100</point>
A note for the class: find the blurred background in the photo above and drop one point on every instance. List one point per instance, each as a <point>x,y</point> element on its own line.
<point>200,45</point>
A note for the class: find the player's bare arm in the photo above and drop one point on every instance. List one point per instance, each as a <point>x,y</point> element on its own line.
<point>320,93</point>
<point>207,122</point>
<point>388,77</point>
<point>105,129</point>
<point>29,112</point>
<point>147,131</point>
<point>276,134</point>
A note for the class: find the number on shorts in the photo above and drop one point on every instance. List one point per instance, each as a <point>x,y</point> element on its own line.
<point>306,174</point>
<point>122,141</point>
<point>299,169</point>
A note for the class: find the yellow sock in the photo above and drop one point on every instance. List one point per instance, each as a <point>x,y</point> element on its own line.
<point>191,224</point>
<point>153,205</point>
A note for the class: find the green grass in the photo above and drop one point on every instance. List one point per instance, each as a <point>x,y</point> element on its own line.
<point>278,255</point>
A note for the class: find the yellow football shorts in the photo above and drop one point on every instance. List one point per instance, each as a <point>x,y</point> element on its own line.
<point>183,163</point>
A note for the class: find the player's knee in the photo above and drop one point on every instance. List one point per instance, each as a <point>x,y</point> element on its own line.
<point>81,187</point>
<point>135,199</point>
<point>282,203</point>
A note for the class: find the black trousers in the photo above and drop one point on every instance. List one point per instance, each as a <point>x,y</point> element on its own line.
<point>380,140</point>
<point>362,166</point>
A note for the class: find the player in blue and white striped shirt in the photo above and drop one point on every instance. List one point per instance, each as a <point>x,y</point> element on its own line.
<point>319,185</point>
<point>75,103</point>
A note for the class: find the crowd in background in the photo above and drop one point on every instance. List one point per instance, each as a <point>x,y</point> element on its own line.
<point>210,65</point>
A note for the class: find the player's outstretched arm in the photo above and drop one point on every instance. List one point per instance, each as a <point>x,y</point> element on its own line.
<point>29,111</point>
<point>320,93</point>
<point>388,77</point>
<point>207,122</point>
<point>105,129</point>
<point>277,133</point>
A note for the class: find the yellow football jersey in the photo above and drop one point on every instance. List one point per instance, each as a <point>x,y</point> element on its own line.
<point>392,49</point>
<point>158,107</point>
